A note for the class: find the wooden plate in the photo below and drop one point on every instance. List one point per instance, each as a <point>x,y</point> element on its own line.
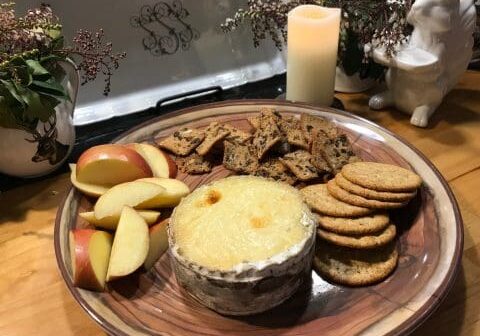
<point>431,240</point>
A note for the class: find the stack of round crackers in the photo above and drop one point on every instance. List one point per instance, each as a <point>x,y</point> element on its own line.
<point>356,243</point>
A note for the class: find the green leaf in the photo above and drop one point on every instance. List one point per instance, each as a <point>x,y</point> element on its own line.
<point>49,102</point>
<point>9,85</point>
<point>57,42</point>
<point>51,63</point>
<point>50,87</point>
<point>51,58</point>
<point>37,69</point>
<point>7,115</point>
<point>54,33</point>
<point>372,70</point>
<point>4,75</point>
<point>18,61</point>
<point>34,108</point>
<point>23,73</point>
<point>352,60</point>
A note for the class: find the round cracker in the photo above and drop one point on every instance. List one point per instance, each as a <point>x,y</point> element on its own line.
<point>381,176</point>
<point>355,267</point>
<point>353,199</point>
<point>385,196</point>
<point>318,198</point>
<point>360,225</point>
<point>369,241</point>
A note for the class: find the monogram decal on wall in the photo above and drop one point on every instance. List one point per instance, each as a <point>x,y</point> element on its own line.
<point>165,27</point>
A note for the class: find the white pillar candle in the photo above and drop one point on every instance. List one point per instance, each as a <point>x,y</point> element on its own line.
<point>313,33</point>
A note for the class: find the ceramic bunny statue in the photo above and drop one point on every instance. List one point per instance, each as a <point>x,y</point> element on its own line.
<point>427,67</point>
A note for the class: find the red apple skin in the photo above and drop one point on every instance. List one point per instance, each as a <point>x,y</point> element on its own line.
<point>110,151</point>
<point>172,166</point>
<point>84,275</point>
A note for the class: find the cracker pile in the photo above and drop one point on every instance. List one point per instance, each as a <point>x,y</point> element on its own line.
<point>356,243</point>
<point>281,147</point>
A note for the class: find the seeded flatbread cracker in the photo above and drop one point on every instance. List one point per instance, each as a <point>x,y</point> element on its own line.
<point>318,198</point>
<point>183,141</point>
<point>386,196</point>
<point>213,134</point>
<point>300,164</point>
<point>193,164</point>
<point>266,135</point>
<point>336,151</point>
<point>353,199</point>
<point>236,135</point>
<point>291,129</point>
<point>310,123</point>
<point>276,170</point>
<point>255,120</point>
<point>239,158</point>
<point>355,267</point>
<point>368,241</point>
<point>322,166</point>
<point>317,153</point>
<point>360,225</point>
<point>381,176</point>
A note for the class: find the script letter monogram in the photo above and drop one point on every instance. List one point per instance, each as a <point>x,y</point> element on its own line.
<point>165,27</point>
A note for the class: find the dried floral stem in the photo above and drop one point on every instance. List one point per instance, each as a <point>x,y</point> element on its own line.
<point>96,57</point>
<point>375,23</point>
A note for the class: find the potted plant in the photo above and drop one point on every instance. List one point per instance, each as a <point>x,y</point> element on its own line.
<point>364,25</point>
<point>38,87</point>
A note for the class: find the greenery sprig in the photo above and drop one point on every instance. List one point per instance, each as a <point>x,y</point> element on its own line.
<point>31,49</point>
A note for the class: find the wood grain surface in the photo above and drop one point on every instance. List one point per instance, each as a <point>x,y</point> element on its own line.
<point>34,299</point>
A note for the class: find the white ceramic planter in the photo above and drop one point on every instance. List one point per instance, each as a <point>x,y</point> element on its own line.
<point>24,154</point>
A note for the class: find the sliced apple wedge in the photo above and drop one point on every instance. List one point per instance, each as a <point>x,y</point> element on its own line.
<point>132,194</point>
<point>86,188</point>
<point>110,165</point>
<point>111,222</point>
<point>130,245</point>
<point>158,243</point>
<point>90,254</point>
<point>160,162</point>
<point>175,191</point>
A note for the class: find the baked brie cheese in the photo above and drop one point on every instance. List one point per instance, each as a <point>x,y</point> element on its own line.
<point>243,244</point>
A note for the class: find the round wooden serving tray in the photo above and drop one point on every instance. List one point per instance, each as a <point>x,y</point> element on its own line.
<point>430,242</point>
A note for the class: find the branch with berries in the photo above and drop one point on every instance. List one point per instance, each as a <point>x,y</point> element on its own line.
<point>95,56</point>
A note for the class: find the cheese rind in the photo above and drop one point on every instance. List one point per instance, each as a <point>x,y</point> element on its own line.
<point>243,244</point>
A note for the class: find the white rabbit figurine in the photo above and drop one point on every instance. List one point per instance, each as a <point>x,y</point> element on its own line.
<point>427,67</point>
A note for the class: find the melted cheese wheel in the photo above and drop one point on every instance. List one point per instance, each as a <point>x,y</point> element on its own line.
<point>238,220</point>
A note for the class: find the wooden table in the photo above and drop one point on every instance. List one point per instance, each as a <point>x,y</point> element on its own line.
<point>35,301</point>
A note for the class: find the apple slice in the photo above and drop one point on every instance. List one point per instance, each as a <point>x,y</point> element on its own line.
<point>158,243</point>
<point>86,188</point>
<point>175,191</point>
<point>111,222</point>
<point>130,245</point>
<point>132,194</point>
<point>90,254</point>
<point>110,165</point>
<point>160,162</point>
